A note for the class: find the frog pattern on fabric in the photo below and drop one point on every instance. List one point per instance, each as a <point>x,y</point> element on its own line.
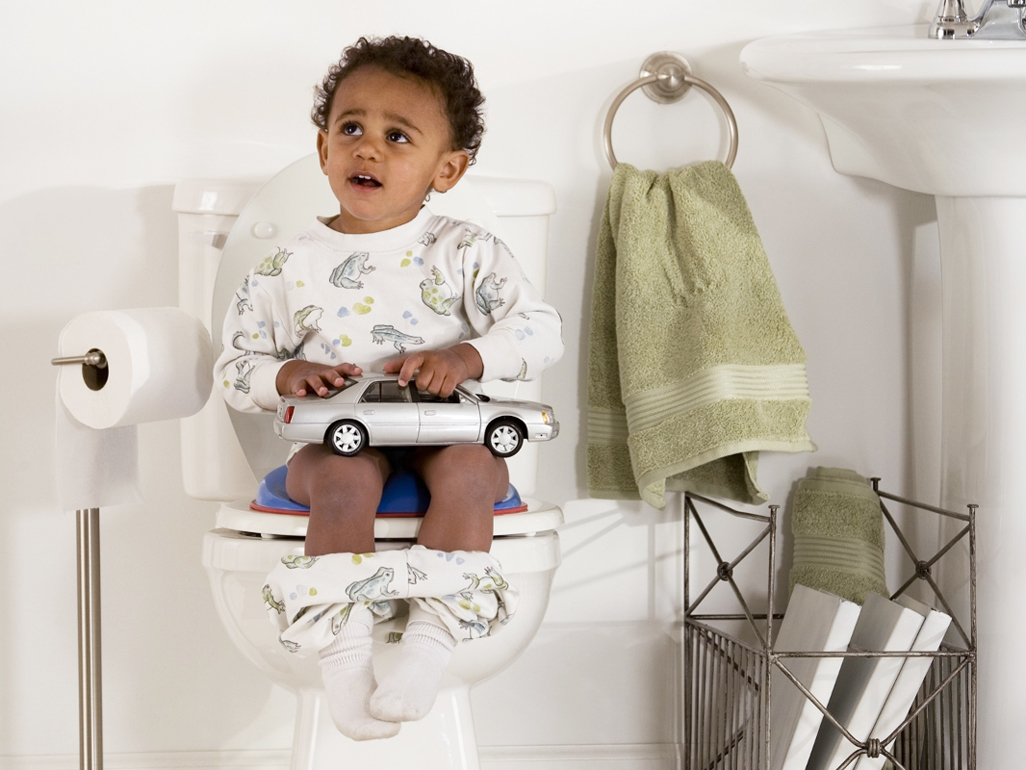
<point>243,302</point>
<point>293,561</point>
<point>347,275</point>
<point>387,333</point>
<point>306,320</point>
<point>415,575</point>
<point>244,370</point>
<point>487,294</point>
<point>270,601</point>
<point>272,265</point>
<point>437,294</point>
<point>373,588</point>
<point>475,629</point>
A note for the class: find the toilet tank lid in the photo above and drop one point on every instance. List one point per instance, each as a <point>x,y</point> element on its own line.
<point>221,197</point>
<point>228,197</point>
<point>516,197</point>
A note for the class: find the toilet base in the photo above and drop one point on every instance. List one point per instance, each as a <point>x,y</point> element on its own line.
<point>443,740</point>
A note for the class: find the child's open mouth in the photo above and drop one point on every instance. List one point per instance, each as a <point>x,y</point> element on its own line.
<point>364,180</point>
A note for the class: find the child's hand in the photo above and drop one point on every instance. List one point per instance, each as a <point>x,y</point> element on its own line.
<point>438,371</point>
<point>302,377</point>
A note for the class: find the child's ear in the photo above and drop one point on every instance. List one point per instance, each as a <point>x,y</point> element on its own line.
<point>322,149</point>
<point>451,171</point>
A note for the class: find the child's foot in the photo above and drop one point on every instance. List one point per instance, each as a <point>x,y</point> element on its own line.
<point>409,691</point>
<point>349,682</point>
<point>349,694</point>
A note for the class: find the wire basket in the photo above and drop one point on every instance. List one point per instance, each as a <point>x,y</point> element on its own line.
<point>727,708</point>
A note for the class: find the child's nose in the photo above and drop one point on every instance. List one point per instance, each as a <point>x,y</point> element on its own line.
<point>368,149</point>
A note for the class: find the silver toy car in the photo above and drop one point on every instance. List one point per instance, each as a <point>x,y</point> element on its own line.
<point>374,410</point>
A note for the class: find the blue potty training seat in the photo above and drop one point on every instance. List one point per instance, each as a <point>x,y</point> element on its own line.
<point>404,495</point>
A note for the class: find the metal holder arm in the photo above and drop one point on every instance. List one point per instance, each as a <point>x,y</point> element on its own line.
<point>92,358</point>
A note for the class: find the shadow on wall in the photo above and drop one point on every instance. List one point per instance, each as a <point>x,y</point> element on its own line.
<point>73,250</point>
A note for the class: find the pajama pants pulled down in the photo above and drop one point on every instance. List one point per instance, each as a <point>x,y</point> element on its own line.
<point>309,598</point>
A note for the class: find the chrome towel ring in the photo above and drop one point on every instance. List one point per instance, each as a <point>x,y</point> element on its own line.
<point>665,77</point>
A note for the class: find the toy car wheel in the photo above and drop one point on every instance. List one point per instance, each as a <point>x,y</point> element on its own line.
<point>504,438</point>
<point>347,438</point>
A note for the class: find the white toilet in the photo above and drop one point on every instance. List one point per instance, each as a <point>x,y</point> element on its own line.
<point>224,229</point>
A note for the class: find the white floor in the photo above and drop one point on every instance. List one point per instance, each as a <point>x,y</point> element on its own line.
<point>656,756</point>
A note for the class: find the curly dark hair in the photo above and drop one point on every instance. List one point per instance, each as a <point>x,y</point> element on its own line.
<point>452,75</point>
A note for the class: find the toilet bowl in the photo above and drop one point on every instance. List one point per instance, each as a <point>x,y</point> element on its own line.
<point>224,229</point>
<point>238,557</point>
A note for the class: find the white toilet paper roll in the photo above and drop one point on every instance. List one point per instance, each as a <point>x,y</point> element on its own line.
<point>159,364</point>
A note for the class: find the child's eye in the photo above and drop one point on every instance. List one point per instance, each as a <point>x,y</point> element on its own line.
<point>397,136</point>
<point>352,129</point>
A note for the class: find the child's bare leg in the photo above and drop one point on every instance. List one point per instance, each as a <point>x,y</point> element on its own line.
<point>342,493</point>
<point>465,482</point>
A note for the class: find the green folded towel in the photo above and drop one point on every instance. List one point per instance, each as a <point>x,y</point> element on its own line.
<point>838,533</point>
<point>693,365</point>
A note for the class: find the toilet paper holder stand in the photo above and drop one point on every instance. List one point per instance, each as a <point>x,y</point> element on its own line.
<point>87,536</point>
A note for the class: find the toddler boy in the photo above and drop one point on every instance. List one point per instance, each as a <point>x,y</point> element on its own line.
<point>386,286</point>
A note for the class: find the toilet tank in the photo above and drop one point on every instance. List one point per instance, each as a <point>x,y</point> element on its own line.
<point>227,226</point>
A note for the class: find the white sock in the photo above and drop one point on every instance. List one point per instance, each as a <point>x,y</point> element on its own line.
<point>409,691</point>
<point>348,676</point>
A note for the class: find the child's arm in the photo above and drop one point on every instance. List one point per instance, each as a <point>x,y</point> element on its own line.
<point>258,363</point>
<point>256,345</point>
<point>520,334</point>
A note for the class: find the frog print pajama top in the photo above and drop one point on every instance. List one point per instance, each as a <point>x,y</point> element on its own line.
<point>366,299</point>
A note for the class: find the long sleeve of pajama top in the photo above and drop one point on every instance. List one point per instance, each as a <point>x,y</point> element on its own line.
<point>330,297</point>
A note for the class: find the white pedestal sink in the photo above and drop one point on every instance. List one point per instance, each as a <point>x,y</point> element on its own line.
<point>944,117</point>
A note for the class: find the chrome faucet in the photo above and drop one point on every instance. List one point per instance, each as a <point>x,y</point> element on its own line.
<point>997,20</point>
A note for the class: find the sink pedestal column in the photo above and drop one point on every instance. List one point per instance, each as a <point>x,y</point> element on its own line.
<point>983,259</point>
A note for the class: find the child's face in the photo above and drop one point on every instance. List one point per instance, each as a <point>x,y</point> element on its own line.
<point>388,144</point>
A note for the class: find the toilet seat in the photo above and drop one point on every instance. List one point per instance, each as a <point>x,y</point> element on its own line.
<point>515,516</point>
<point>239,517</point>
<point>405,494</point>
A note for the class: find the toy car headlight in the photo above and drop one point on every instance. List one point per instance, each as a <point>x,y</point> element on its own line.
<point>547,418</point>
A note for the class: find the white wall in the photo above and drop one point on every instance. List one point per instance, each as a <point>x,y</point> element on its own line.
<point>107,104</point>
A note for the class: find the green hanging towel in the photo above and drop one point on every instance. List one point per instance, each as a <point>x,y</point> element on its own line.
<point>693,365</point>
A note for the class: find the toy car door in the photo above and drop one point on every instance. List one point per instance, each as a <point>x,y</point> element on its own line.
<point>389,413</point>
<point>452,420</point>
